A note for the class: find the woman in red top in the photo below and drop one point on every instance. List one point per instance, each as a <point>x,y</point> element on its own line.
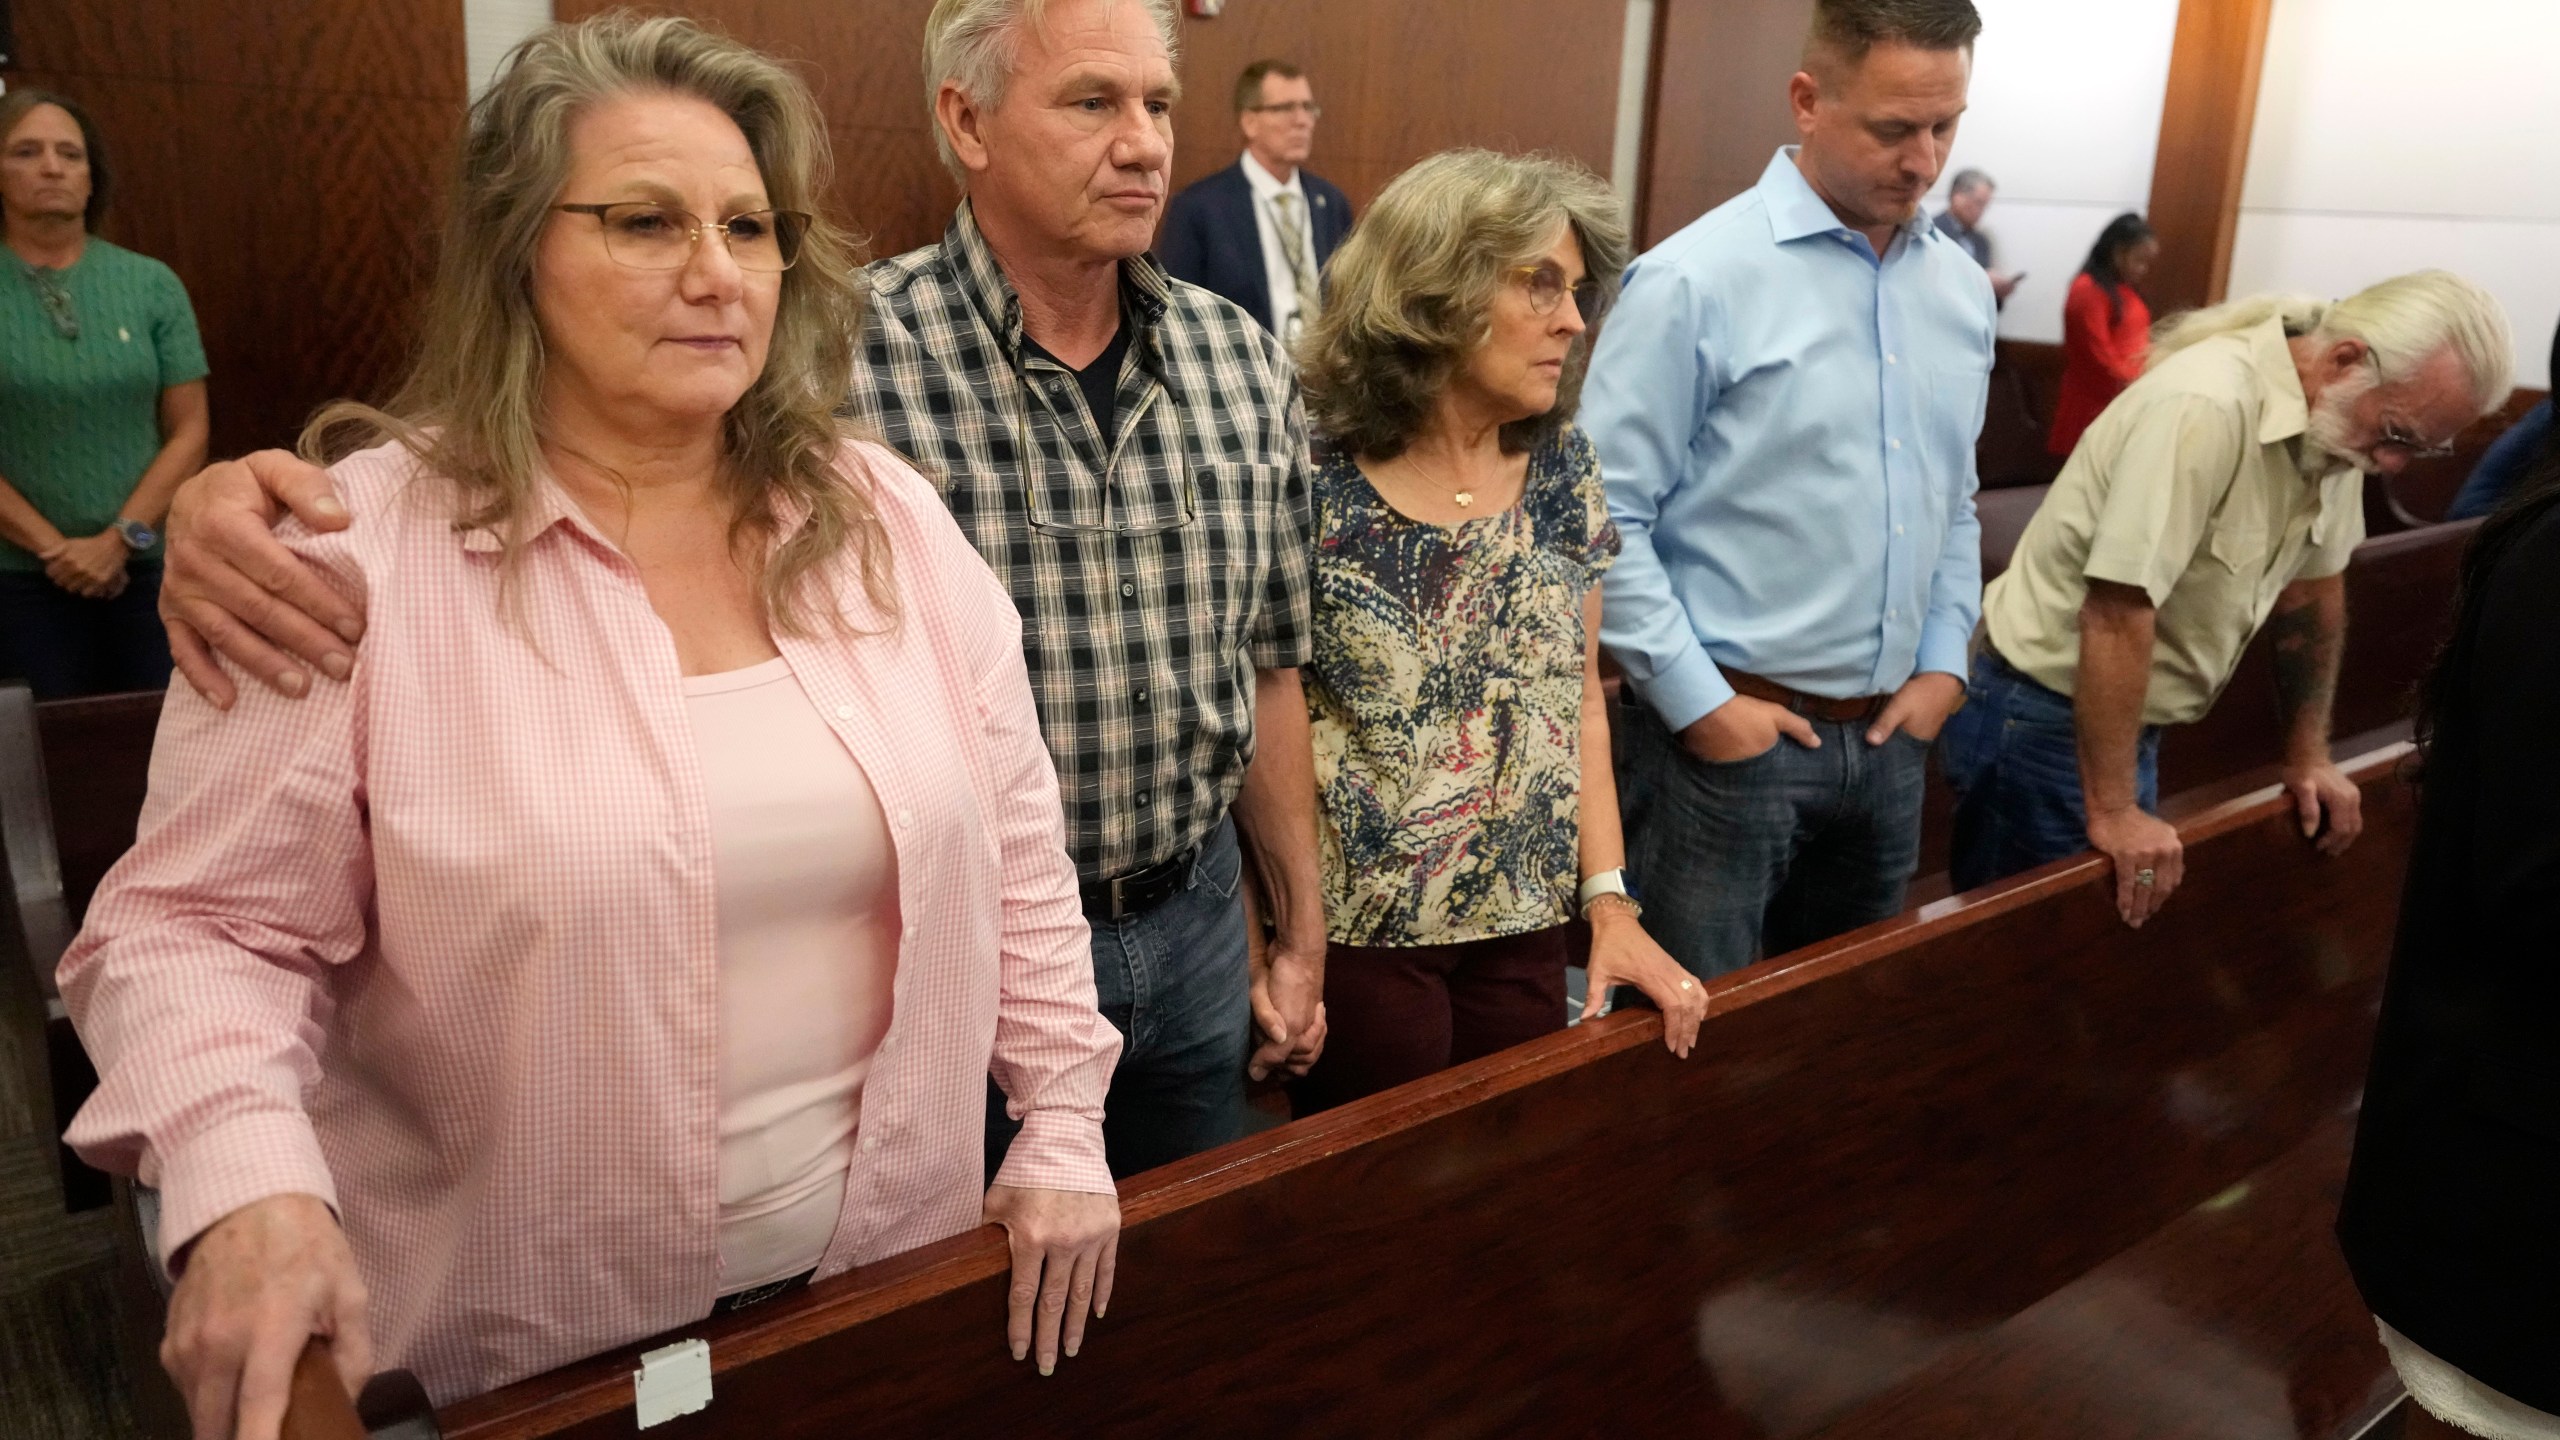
<point>2106,329</point>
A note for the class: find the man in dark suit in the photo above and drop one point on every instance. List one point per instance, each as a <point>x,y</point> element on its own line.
<point>1259,231</point>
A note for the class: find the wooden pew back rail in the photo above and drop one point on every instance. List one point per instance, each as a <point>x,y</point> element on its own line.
<point>1887,1149</point>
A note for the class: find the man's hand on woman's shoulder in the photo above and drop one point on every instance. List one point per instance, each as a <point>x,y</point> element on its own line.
<point>232,591</point>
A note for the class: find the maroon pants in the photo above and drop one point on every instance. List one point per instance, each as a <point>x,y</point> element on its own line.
<point>1400,1013</point>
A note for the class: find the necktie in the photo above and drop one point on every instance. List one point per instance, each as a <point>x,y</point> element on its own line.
<point>1293,247</point>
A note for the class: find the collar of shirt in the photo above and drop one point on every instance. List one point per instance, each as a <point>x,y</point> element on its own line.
<point>2287,413</point>
<point>1264,187</point>
<point>1145,288</point>
<point>1796,211</point>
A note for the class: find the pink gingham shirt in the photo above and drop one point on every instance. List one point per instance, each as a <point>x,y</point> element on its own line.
<point>438,945</point>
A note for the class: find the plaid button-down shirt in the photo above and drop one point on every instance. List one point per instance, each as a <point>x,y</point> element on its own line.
<point>1156,568</point>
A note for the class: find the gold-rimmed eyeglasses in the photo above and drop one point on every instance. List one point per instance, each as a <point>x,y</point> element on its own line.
<point>646,235</point>
<point>1545,284</point>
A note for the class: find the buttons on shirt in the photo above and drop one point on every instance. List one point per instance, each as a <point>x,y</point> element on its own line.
<point>1128,589</point>
<point>1145,797</point>
<point>844,712</point>
<point>1142,694</point>
<point>906,819</point>
<point>1896,444</point>
<point>1893,359</point>
<point>871,1142</point>
<point>1897,529</point>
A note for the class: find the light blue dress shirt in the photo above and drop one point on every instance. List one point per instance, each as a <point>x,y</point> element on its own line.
<point>1787,425</point>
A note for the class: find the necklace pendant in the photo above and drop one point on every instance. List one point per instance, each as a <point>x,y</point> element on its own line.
<point>1464,498</point>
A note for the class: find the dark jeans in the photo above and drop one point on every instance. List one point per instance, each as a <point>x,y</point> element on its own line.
<point>2012,756</point>
<point>1173,981</point>
<point>1773,853</point>
<point>64,645</point>
<point>1398,1013</point>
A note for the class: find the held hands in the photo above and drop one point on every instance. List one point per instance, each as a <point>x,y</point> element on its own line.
<point>2323,790</point>
<point>1622,954</point>
<point>256,1287</point>
<point>92,568</point>
<point>1746,729</point>
<point>232,589</point>
<point>2140,843</point>
<point>1288,1008</point>
<point>1065,1247</point>
<point>1920,708</point>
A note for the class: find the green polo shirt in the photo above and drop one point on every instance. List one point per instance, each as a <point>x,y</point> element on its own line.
<point>80,419</point>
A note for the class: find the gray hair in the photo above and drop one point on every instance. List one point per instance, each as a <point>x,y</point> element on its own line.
<point>1968,181</point>
<point>2404,321</point>
<point>1410,295</point>
<point>975,44</point>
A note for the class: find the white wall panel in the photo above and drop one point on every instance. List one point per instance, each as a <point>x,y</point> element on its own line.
<point>2066,116</point>
<point>2392,137</point>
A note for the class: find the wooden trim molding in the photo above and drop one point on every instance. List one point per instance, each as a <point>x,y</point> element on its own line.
<point>2214,69</point>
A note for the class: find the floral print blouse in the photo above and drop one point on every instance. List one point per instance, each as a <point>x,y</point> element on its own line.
<point>1446,696</point>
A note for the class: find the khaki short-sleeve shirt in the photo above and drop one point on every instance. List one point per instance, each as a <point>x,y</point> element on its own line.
<point>2191,487</point>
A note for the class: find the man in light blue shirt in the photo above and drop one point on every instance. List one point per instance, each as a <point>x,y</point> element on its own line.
<point>1786,402</point>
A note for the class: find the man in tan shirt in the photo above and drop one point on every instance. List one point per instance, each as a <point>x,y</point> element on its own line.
<point>2218,495</point>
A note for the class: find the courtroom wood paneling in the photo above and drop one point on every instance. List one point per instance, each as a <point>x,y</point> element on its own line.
<point>2244,1299</point>
<point>2214,69</point>
<point>1885,1148</point>
<point>1719,104</point>
<point>1402,81</point>
<point>286,161</point>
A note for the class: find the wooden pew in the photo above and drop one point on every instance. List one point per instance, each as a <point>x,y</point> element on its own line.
<point>1898,1165</point>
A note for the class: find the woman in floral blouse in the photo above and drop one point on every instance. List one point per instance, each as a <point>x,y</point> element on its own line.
<point>1462,741</point>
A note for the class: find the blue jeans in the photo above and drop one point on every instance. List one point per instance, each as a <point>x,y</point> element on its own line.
<point>1772,853</point>
<point>2012,756</point>
<point>66,645</point>
<point>1173,981</point>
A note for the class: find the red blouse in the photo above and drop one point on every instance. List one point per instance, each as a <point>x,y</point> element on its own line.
<point>2100,356</point>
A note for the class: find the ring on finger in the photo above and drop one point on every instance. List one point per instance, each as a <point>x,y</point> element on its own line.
<point>2146,877</point>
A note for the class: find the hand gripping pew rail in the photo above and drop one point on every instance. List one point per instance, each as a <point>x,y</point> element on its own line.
<point>1998,1167</point>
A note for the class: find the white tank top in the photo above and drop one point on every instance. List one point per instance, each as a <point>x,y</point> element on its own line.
<point>808,907</point>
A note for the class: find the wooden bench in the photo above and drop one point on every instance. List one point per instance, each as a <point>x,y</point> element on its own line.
<point>1902,1168</point>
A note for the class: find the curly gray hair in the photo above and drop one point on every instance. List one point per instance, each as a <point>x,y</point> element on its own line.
<point>1410,295</point>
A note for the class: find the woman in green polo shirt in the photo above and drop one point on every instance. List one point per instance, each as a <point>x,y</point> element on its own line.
<point>102,413</point>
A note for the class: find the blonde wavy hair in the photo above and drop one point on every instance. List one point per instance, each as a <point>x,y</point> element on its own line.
<point>470,407</point>
<point>1410,295</point>
<point>2404,321</point>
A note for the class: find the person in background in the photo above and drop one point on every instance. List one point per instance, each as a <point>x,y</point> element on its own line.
<point>2514,454</point>
<point>1969,198</point>
<point>102,414</point>
<point>1260,231</point>
<point>1786,407</point>
<point>2106,328</point>
<point>1130,455</point>
<point>2221,494</point>
<point>2446,1220</point>
<point>1461,734</point>
<point>631,935</point>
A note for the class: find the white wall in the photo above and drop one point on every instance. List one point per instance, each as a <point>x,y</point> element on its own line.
<point>491,28</point>
<point>2066,117</point>
<point>2394,136</point>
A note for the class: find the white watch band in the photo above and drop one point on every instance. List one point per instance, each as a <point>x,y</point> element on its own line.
<point>1607,882</point>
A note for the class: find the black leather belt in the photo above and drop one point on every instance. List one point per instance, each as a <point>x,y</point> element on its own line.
<point>1139,891</point>
<point>740,1300</point>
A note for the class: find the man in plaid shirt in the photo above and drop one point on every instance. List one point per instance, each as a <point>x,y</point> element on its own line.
<point>1129,454</point>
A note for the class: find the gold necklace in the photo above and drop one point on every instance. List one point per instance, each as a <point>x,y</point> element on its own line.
<point>1464,495</point>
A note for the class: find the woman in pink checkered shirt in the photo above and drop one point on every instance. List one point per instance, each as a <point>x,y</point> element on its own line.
<point>629,936</point>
